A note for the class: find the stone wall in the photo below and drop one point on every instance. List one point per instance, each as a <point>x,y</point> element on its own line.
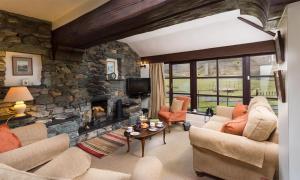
<point>69,81</point>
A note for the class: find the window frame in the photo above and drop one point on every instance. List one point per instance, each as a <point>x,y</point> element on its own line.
<point>246,80</point>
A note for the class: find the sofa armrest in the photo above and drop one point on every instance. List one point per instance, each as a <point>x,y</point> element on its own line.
<point>224,111</point>
<point>147,168</point>
<point>28,157</point>
<point>31,133</point>
<point>232,146</point>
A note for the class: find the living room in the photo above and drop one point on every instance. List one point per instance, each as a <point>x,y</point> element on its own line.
<point>110,89</point>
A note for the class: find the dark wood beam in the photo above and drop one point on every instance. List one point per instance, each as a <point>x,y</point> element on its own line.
<point>257,48</point>
<point>119,19</point>
<point>256,26</point>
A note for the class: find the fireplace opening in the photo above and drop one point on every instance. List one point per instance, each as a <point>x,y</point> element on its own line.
<point>99,111</point>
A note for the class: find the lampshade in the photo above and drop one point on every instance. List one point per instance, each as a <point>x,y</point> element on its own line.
<point>15,94</point>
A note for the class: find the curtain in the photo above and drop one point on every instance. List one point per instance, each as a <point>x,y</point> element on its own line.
<point>157,96</point>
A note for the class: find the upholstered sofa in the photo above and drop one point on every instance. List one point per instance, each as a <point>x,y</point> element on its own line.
<point>42,158</point>
<point>231,156</point>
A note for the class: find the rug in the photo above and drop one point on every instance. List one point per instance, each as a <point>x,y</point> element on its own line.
<point>105,144</point>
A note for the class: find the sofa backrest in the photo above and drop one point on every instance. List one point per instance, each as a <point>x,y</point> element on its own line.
<point>31,133</point>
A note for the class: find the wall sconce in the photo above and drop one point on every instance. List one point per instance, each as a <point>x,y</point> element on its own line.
<point>143,63</point>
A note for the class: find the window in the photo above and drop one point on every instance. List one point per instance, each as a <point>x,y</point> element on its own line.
<point>181,80</point>
<point>206,85</point>
<point>262,82</point>
<point>222,81</point>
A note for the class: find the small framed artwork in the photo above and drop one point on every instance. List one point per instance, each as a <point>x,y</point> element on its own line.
<point>280,85</point>
<point>22,66</point>
<point>112,69</point>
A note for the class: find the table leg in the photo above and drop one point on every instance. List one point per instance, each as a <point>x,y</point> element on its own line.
<point>128,144</point>
<point>143,146</point>
<point>164,136</point>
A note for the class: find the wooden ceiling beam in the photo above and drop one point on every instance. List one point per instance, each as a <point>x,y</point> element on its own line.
<point>257,48</point>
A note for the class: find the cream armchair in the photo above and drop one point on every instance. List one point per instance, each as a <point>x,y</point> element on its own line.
<point>230,156</point>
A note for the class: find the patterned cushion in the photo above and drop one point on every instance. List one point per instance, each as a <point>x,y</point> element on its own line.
<point>176,105</point>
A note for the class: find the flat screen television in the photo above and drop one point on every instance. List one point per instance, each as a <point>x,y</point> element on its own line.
<point>138,87</point>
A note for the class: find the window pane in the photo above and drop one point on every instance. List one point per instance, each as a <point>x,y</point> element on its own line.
<point>167,99</point>
<point>228,101</point>
<point>262,65</point>
<point>181,86</point>
<point>274,105</point>
<point>207,68</point>
<point>207,86</point>
<point>205,102</point>
<point>263,86</point>
<point>167,85</point>
<point>231,67</point>
<point>166,70</point>
<point>181,70</point>
<point>231,86</point>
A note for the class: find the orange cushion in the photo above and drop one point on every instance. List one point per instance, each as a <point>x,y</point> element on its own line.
<point>8,140</point>
<point>239,110</point>
<point>235,126</point>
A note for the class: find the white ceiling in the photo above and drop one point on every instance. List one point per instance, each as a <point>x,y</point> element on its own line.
<point>219,30</point>
<point>59,12</point>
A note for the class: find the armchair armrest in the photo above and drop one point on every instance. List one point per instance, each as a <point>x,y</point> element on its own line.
<point>143,166</point>
<point>165,109</point>
<point>28,157</point>
<point>233,146</point>
<point>31,133</point>
<point>224,111</point>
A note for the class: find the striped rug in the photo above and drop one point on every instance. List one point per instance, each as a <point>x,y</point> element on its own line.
<point>105,144</point>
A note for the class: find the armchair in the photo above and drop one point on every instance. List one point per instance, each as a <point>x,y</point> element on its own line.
<point>172,117</point>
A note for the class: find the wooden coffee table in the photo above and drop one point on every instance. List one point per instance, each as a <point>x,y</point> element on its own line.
<point>144,134</point>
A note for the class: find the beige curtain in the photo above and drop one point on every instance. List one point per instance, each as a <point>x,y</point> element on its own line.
<point>157,97</point>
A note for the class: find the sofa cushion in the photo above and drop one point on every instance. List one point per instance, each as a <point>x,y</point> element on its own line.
<point>239,110</point>
<point>176,105</point>
<point>261,123</point>
<point>257,99</point>
<point>31,133</point>
<point>96,174</point>
<point>235,126</point>
<point>8,140</point>
<point>216,122</point>
<point>69,164</point>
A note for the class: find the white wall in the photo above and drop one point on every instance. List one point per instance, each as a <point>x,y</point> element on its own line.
<point>223,29</point>
<point>34,79</point>
<point>289,122</point>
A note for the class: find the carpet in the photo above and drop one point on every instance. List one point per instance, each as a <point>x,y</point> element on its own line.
<point>105,144</point>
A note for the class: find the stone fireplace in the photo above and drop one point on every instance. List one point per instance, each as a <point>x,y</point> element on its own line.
<point>72,81</point>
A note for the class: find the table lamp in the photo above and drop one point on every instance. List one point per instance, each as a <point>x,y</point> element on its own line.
<point>18,95</point>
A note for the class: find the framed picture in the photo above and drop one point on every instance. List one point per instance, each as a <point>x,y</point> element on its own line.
<point>112,69</point>
<point>280,85</point>
<point>22,66</point>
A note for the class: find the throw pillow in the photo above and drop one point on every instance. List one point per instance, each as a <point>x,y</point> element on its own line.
<point>176,105</point>
<point>239,110</point>
<point>8,140</point>
<point>261,123</point>
<point>235,126</point>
